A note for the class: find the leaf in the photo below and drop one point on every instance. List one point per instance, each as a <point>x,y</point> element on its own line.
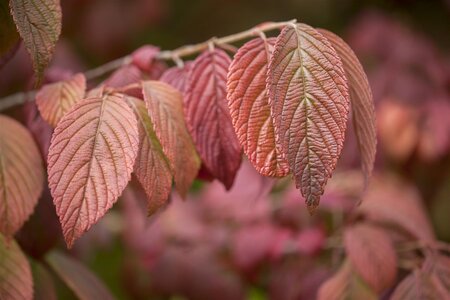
<point>249,107</point>
<point>55,99</point>
<point>418,286</point>
<point>16,282</point>
<point>90,161</point>
<point>77,277</point>
<point>165,108</point>
<point>208,116</point>
<point>345,285</point>
<point>177,77</point>
<point>309,103</point>
<point>21,175</point>
<point>439,267</point>
<point>144,57</point>
<point>372,255</point>
<point>152,168</point>
<point>39,25</point>
<point>363,110</point>
<point>44,288</point>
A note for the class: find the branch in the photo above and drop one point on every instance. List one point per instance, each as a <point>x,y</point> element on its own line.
<point>175,55</point>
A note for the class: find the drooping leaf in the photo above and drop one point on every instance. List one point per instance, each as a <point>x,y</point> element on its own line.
<point>16,282</point>
<point>44,288</point>
<point>90,161</point>
<point>439,267</point>
<point>361,99</point>
<point>309,102</point>
<point>152,167</point>
<point>77,277</point>
<point>39,25</point>
<point>417,286</point>
<point>249,107</point>
<point>144,56</point>
<point>372,255</point>
<point>8,32</point>
<point>177,77</point>
<point>21,175</point>
<point>345,285</point>
<point>208,116</point>
<point>165,107</point>
<point>55,99</point>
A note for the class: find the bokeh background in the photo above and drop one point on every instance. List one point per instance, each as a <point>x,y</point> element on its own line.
<point>257,241</point>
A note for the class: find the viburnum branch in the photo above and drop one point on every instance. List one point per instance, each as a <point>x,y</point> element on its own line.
<point>178,53</point>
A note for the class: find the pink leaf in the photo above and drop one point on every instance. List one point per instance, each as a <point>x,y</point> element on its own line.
<point>144,56</point>
<point>90,161</point>
<point>249,107</point>
<point>177,77</point>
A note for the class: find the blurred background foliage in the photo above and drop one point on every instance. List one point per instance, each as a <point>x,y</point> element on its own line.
<point>248,244</point>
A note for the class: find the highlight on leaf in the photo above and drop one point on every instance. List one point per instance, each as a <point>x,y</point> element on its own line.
<point>55,99</point>
<point>165,108</point>
<point>208,116</point>
<point>309,101</point>
<point>91,157</point>
<point>16,281</point>
<point>39,26</point>
<point>363,110</point>
<point>248,101</point>
<point>152,168</point>
<point>21,175</point>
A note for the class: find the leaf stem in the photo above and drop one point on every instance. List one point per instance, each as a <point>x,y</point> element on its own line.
<point>175,55</point>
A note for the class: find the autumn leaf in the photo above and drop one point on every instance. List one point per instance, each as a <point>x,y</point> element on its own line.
<point>39,25</point>
<point>55,99</point>
<point>177,76</point>
<point>372,255</point>
<point>416,286</point>
<point>309,102</point>
<point>165,107</point>
<point>152,167</point>
<point>90,161</point>
<point>16,282</point>
<point>77,277</point>
<point>345,285</point>
<point>208,116</point>
<point>249,107</point>
<point>363,110</point>
<point>21,175</point>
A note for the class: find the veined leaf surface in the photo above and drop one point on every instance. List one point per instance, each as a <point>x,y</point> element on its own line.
<point>90,161</point>
<point>363,110</point>
<point>21,175</point>
<point>165,107</point>
<point>177,77</point>
<point>16,282</point>
<point>248,101</point>
<point>208,116</point>
<point>152,167</point>
<point>55,99</point>
<point>39,25</point>
<point>309,101</point>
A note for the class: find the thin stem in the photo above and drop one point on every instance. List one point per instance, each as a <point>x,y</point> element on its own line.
<point>176,54</point>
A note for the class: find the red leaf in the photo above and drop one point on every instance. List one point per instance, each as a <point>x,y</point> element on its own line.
<point>177,77</point>
<point>15,273</point>
<point>124,76</point>
<point>309,102</point>
<point>249,107</point>
<point>345,285</point>
<point>152,167</point>
<point>208,116</point>
<point>55,99</point>
<point>144,56</point>
<point>165,107</point>
<point>39,25</point>
<point>21,175</point>
<point>90,161</point>
<point>363,110</point>
<point>372,255</point>
<point>77,277</point>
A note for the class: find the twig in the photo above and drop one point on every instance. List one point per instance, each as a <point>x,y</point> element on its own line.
<point>176,54</point>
